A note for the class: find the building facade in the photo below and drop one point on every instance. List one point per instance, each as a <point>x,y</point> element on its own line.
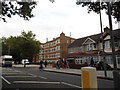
<point>94,47</point>
<point>56,48</point>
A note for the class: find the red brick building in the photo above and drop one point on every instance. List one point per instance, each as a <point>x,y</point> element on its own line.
<point>56,48</point>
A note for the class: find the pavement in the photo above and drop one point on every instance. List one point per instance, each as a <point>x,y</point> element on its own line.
<point>100,74</point>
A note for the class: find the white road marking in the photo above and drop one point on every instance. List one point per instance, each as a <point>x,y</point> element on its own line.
<point>18,76</point>
<point>71,85</point>
<point>10,72</point>
<point>42,77</point>
<point>13,73</point>
<point>8,69</point>
<point>37,76</point>
<point>5,80</point>
<point>17,71</point>
<point>33,82</point>
<point>31,74</point>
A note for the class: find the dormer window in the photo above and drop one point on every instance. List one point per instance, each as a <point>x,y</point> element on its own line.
<point>107,44</point>
<point>91,46</point>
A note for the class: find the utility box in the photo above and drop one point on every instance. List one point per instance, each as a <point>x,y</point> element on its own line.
<point>116,77</point>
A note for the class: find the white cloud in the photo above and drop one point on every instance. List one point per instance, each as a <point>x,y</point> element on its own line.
<point>53,18</point>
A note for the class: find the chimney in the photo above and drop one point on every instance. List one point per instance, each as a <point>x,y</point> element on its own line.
<point>46,39</point>
<point>62,34</point>
<point>106,29</point>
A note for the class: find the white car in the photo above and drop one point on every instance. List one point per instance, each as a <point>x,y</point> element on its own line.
<point>25,61</point>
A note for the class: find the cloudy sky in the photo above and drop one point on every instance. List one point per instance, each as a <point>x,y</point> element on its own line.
<point>53,18</point>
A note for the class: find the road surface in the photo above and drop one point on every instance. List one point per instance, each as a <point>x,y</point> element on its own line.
<point>33,78</point>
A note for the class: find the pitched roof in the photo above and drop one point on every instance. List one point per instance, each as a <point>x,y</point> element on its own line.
<point>96,38</point>
<point>79,42</point>
<point>116,33</point>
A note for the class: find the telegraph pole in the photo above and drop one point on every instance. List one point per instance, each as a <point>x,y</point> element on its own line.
<point>111,35</point>
<point>105,70</point>
<point>116,73</point>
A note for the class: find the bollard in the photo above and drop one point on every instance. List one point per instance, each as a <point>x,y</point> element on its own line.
<point>89,78</point>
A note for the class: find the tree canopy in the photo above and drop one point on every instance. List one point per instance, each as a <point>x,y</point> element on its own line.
<point>21,47</point>
<point>96,7</point>
<point>23,9</point>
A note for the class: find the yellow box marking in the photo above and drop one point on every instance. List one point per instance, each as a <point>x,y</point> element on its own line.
<point>86,80</point>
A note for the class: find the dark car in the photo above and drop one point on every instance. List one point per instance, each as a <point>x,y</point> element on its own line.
<point>100,66</point>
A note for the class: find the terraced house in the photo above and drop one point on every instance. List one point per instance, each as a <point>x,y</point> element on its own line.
<point>57,48</point>
<point>93,47</point>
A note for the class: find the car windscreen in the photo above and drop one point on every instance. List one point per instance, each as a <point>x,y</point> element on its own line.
<point>8,59</point>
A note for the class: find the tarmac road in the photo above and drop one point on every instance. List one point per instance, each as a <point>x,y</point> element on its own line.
<point>18,79</point>
<point>33,78</point>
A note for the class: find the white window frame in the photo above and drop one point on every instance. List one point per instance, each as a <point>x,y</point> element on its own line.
<point>107,44</point>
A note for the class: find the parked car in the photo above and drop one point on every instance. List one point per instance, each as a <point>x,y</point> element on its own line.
<point>74,65</point>
<point>25,61</point>
<point>100,65</point>
<point>77,66</point>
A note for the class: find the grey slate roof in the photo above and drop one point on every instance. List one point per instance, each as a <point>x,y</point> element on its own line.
<point>79,42</point>
<point>96,38</point>
<point>116,33</point>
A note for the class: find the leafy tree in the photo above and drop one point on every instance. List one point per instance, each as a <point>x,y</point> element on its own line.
<point>95,6</point>
<point>4,46</point>
<point>23,9</point>
<point>11,46</point>
<point>21,47</point>
<point>30,46</point>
